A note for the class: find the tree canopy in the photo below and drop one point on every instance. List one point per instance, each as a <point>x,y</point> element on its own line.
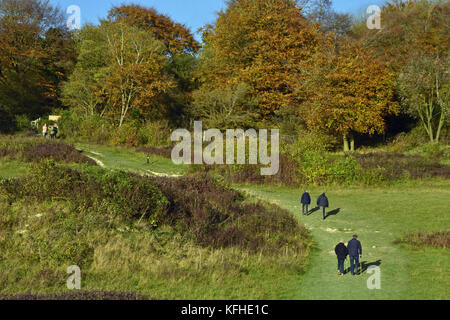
<point>36,54</point>
<point>176,37</point>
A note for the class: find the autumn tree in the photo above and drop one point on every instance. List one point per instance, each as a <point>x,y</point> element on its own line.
<point>413,42</point>
<point>322,12</point>
<point>176,37</point>
<point>84,91</point>
<point>181,48</point>
<point>265,44</point>
<point>120,68</point>
<point>36,54</point>
<point>349,91</point>
<point>407,27</point>
<point>219,107</point>
<point>425,89</point>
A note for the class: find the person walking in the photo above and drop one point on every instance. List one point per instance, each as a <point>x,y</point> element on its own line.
<point>355,252</point>
<point>45,130</point>
<point>341,253</point>
<point>306,201</point>
<point>55,130</point>
<point>322,202</point>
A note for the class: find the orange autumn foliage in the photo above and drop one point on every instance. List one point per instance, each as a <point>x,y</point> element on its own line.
<point>264,43</point>
<point>175,36</point>
<point>349,91</point>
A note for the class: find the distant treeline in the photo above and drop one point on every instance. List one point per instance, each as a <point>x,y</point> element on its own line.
<point>295,65</point>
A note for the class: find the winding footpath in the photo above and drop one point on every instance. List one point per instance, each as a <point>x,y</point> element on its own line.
<point>378,224</point>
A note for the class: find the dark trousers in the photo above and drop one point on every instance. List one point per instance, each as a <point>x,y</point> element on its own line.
<point>341,265</point>
<point>323,213</point>
<point>354,262</point>
<point>305,209</point>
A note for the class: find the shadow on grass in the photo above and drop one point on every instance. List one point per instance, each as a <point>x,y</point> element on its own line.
<point>363,265</point>
<point>333,212</point>
<point>313,210</point>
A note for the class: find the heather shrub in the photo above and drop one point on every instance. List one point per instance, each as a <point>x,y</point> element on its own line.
<point>289,173</point>
<point>317,168</point>
<point>76,295</point>
<point>436,239</point>
<point>39,240</point>
<point>57,151</point>
<point>397,166</point>
<point>106,191</point>
<point>200,207</point>
<point>217,215</point>
<point>30,149</point>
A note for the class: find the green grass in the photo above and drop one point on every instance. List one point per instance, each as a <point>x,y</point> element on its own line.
<point>126,159</point>
<point>38,241</point>
<point>378,216</point>
<point>12,168</point>
<point>182,271</point>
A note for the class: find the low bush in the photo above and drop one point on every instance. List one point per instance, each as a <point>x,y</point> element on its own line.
<point>316,168</point>
<point>439,239</point>
<point>32,149</point>
<point>397,166</point>
<point>94,128</point>
<point>208,211</point>
<point>404,142</point>
<point>93,188</point>
<point>217,215</point>
<point>154,134</point>
<point>39,240</point>
<point>99,130</point>
<point>76,295</point>
<point>165,152</point>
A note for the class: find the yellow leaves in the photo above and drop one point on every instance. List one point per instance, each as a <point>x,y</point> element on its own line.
<point>175,36</point>
<point>265,44</point>
<point>355,91</point>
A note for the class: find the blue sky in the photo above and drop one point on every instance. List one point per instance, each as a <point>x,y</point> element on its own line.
<point>193,13</point>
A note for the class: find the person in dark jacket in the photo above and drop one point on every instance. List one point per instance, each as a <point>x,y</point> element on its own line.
<point>341,253</point>
<point>55,130</point>
<point>306,201</point>
<point>322,202</point>
<point>355,252</point>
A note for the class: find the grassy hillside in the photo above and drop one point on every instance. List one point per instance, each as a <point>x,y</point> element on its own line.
<point>120,253</point>
<point>158,237</point>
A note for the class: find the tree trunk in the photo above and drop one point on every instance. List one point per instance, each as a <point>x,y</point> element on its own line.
<point>346,148</point>
<point>440,125</point>
<point>352,143</point>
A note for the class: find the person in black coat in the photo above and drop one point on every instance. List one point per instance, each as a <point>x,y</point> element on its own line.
<point>341,253</point>
<point>322,202</point>
<point>355,252</point>
<point>306,201</point>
